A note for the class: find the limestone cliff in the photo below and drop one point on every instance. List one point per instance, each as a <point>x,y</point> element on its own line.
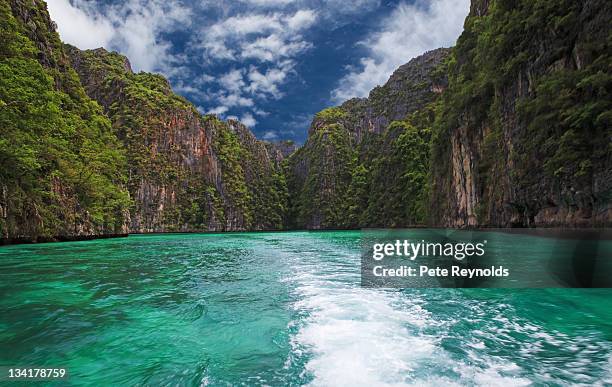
<point>510,128</point>
<point>523,137</point>
<point>143,160</point>
<point>185,172</point>
<point>61,165</point>
<point>351,166</point>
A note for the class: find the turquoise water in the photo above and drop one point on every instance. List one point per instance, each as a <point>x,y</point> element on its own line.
<point>281,309</point>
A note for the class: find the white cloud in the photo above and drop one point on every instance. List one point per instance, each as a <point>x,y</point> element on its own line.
<point>272,48</point>
<point>270,136</point>
<point>203,79</point>
<point>248,120</point>
<point>270,40</point>
<point>85,29</point>
<point>140,24</point>
<point>234,99</point>
<point>133,27</point>
<point>216,49</point>
<point>219,110</point>
<point>261,113</point>
<point>263,84</point>
<point>408,32</point>
<point>215,38</point>
<point>301,20</point>
<point>232,80</point>
<point>266,37</point>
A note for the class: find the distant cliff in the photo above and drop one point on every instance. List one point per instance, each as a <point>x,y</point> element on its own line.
<point>365,162</point>
<point>185,172</point>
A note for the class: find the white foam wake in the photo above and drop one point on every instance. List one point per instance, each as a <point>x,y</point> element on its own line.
<point>371,337</point>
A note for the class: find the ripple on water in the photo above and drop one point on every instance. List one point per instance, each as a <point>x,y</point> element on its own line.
<point>278,309</point>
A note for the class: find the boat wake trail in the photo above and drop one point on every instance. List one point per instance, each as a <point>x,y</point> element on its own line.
<point>348,335</point>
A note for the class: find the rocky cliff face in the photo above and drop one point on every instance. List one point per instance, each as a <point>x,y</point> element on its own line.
<point>61,165</point>
<point>186,172</point>
<point>335,179</point>
<point>410,88</point>
<point>523,138</point>
<point>281,150</point>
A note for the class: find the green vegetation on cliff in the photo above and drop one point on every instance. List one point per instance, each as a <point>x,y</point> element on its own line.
<point>366,162</point>
<point>61,166</point>
<point>530,100</point>
<point>398,185</point>
<point>187,172</point>
<point>321,196</point>
<point>140,159</point>
<point>509,128</point>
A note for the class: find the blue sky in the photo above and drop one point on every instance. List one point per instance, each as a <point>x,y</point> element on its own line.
<point>270,63</point>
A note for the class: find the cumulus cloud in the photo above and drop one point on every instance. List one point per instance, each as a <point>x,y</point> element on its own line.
<point>248,119</point>
<point>139,26</point>
<point>270,136</point>
<point>261,113</point>
<point>266,37</point>
<point>264,84</point>
<point>72,22</point>
<point>219,110</point>
<point>235,99</point>
<point>133,27</point>
<point>408,32</point>
<point>232,80</point>
<point>261,47</point>
<point>272,48</point>
<point>302,19</point>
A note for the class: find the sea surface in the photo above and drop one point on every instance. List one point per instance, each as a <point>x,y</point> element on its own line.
<point>282,309</point>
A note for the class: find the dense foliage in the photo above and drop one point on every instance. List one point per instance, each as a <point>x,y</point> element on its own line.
<point>320,196</point>
<point>531,82</point>
<point>61,166</point>
<point>380,182</point>
<point>366,162</point>
<point>398,183</point>
<point>175,154</point>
